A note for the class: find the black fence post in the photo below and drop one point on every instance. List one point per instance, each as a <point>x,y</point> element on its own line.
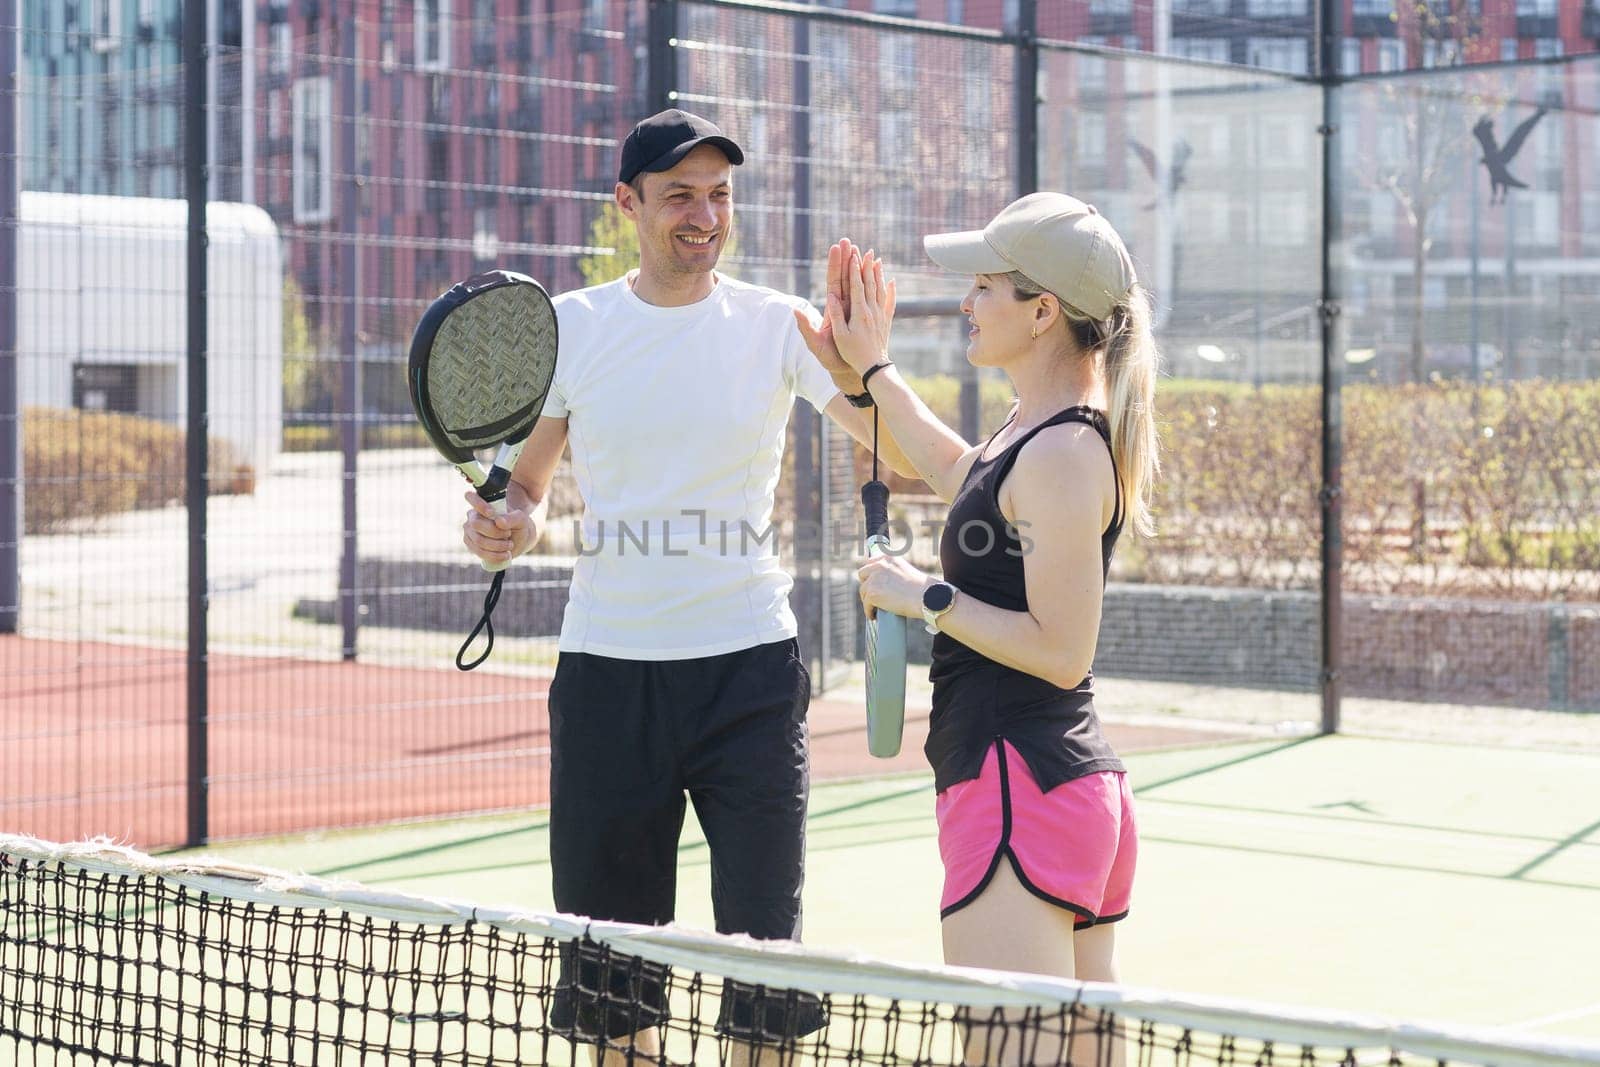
<point>1027,97</point>
<point>662,53</point>
<point>811,440</point>
<point>198,417</point>
<point>1332,334</point>
<point>10,399</point>
<point>348,251</point>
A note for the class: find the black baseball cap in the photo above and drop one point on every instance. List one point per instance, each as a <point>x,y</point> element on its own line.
<point>661,140</point>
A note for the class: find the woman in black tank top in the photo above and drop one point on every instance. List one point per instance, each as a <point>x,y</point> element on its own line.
<point>1036,822</point>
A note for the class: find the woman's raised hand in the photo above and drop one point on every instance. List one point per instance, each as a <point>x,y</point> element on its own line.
<point>819,338</point>
<point>861,316</point>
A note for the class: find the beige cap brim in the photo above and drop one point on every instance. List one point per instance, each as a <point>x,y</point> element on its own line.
<point>965,252</point>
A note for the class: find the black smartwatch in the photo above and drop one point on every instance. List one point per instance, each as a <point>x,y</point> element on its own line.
<point>937,599</point>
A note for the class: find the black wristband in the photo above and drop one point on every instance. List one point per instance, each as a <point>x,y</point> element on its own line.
<point>862,399</point>
<point>874,369</point>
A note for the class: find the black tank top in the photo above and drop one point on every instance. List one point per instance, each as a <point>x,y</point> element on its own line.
<point>976,700</point>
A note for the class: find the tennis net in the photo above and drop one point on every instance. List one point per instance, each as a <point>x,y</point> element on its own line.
<point>111,956</point>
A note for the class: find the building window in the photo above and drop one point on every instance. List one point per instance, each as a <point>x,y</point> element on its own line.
<point>1373,8</point>
<point>485,238</point>
<point>105,24</point>
<point>1349,57</point>
<point>1275,8</point>
<point>1441,53</point>
<point>1091,69</point>
<point>1287,55</point>
<point>1508,50</point>
<point>432,21</point>
<point>1547,141</point>
<point>956,11</point>
<point>906,9</point>
<point>977,114</point>
<point>1545,9</point>
<point>281,55</point>
<point>484,27</point>
<point>1391,55</point>
<point>1091,139</point>
<point>1205,218</point>
<point>277,116</point>
<point>897,69</point>
<point>313,150</point>
<point>895,138</point>
<point>1111,7</point>
<point>1200,7</point>
<point>1383,215</point>
<point>1285,218</point>
<point>1543,220</point>
<point>1548,48</point>
<point>1213,49</point>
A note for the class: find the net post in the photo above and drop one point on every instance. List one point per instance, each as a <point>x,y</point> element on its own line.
<point>1330,497</point>
<point>10,406</point>
<point>196,415</point>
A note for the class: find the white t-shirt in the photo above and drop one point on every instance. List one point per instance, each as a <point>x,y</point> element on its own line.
<point>676,419</point>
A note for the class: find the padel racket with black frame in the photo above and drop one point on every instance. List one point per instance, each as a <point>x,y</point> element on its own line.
<point>481,363</point>
<point>886,631</point>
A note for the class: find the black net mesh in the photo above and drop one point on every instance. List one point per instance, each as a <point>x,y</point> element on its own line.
<point>110,957</point>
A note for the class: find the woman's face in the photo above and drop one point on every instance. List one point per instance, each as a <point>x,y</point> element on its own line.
<point>1001,324</point>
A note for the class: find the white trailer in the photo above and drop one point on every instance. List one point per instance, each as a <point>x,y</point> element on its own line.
<point>102,321</point>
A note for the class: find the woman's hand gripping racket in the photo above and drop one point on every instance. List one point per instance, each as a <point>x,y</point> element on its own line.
<point>482,360</point>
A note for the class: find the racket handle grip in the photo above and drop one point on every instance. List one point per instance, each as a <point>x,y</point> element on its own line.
<point>499,505</point>
<point>875,501</point>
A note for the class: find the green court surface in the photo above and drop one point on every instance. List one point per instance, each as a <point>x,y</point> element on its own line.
<point>1416,881</point>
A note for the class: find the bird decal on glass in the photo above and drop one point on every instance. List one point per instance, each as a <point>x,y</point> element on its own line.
<point>1497,158</point>
<point>1168,179</point>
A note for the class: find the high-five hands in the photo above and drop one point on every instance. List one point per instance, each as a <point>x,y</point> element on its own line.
<point>847,269</point>
<point>861,318</point>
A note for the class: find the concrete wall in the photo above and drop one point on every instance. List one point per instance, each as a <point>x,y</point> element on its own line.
<point>1541,655</point>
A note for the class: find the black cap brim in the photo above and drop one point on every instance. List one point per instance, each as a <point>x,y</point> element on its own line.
<point>670,159</point>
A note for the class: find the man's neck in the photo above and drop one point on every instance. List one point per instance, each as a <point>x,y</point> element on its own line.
<point>671,291</point>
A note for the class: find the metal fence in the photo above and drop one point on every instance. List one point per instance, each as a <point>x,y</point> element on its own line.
<point>230,574</point>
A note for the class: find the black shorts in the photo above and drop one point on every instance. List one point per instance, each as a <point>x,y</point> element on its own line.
<point>628,740</point>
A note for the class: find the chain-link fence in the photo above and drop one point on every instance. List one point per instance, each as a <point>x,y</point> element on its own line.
<point>279,657</point>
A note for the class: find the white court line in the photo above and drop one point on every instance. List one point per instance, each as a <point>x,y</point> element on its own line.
<point>1548,1020</point>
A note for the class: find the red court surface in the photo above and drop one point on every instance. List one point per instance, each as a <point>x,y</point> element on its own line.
<point>93,741</point>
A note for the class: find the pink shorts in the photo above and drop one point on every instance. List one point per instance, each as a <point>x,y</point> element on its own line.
<point>1075,846</point>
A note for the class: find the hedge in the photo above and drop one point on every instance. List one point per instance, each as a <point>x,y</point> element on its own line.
<point>90,464</point>
<point>1448,489</point>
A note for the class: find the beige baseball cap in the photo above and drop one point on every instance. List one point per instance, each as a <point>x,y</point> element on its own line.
<point>1057,240</point>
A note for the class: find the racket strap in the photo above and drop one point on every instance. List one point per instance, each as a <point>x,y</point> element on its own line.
<point>485,624</point>
<point>874,442</point>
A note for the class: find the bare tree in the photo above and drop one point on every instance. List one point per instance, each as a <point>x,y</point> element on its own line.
<point>1435,124</point>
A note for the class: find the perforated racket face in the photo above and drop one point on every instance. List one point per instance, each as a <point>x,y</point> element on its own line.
<point>482,361</point>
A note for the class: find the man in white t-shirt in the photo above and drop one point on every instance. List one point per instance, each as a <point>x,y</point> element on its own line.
<point>679,672</point>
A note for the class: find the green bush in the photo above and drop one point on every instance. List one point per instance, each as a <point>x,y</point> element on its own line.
<point>1448,489</point>
<point>89,464</point>
<point>326,438</point>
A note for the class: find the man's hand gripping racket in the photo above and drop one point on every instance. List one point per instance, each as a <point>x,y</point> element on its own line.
<point>481,363</point>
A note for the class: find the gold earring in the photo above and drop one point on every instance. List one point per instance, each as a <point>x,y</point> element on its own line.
<point>1035,333</point>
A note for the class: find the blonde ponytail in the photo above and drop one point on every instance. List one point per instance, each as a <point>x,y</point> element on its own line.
<point>1131,363</point>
